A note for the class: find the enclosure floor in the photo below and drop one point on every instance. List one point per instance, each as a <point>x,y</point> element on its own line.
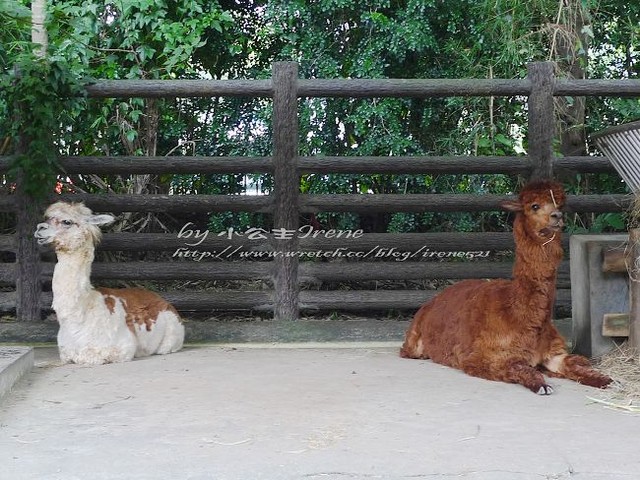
<point>258,412</point>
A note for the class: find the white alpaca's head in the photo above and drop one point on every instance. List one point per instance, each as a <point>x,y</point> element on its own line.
<point>70,227</point>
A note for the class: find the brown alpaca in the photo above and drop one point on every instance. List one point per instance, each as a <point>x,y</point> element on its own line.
<point>501,329</point>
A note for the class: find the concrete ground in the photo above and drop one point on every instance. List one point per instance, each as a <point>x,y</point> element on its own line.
<point>343,412</point>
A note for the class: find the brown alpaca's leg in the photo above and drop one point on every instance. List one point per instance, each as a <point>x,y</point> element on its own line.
<point>577,368</point>
<point>524,374</point>
<point>511,371</point>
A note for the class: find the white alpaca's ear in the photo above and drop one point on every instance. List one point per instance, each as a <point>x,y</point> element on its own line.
<point>103,219</point>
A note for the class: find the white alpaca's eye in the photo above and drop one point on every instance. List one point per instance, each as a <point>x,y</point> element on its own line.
<point>67,223</point>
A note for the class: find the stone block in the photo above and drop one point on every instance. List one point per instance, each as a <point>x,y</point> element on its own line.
<point>594,292</point>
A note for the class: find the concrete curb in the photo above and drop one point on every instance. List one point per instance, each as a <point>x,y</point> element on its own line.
<point>14,363</point>
<point>219,331</point>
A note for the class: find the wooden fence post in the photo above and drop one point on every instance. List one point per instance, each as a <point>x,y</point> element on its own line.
<point>286,189</point>
<point>28,282</point>
<point>28,268</point>
<point>542,125</point>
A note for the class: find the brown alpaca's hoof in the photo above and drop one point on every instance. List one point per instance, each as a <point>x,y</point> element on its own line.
<point>543,390</point>
<point>601,381</point>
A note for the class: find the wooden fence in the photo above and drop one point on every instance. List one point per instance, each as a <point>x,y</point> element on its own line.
<point>287,273</point>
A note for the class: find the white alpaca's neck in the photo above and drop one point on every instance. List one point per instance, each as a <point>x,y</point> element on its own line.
<point>71,284</point>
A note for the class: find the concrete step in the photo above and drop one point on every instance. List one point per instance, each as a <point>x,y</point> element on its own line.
<point>14,363</point>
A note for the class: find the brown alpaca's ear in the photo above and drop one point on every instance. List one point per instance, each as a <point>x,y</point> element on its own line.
<point>512,206</point>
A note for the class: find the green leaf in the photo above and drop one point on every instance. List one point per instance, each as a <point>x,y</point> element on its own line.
<point>131,135</point>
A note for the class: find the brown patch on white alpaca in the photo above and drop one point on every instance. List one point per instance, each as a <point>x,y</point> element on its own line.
<point>141,306</point>
<point>110,302</point>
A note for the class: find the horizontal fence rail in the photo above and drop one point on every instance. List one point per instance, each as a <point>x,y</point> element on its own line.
<point>417,203</point>
<point>436,242</point>
<point>337,271</point>
<point>357,165</point>
<point>357,88</point>
<point>179,88</point>
<point>310,301</point>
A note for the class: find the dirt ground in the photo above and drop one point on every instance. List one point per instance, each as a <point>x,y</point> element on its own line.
<point>350,411</point>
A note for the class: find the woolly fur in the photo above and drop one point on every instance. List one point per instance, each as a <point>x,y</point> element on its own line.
<point>100,325</point>
<point>502,329</point>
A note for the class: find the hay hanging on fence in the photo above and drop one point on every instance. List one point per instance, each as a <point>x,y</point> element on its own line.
<point>623,365</point>
<point>632,260</point>
<point>634,213</point>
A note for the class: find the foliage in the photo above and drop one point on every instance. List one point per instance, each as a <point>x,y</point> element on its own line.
<point>616,29</point>
<point>330,39</point>
<point>38,95</point>
<point>601,223</point>
<point>15,19</point>
<point>231,222</point>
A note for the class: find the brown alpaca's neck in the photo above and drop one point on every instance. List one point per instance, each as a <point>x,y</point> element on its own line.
<point>536,265</point>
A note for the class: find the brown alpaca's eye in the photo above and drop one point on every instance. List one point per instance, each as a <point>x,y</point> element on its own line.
<point>535,207</point>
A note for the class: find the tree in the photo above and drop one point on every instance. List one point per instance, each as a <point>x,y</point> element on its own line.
<point>383,39</point>
<point>39,35</point>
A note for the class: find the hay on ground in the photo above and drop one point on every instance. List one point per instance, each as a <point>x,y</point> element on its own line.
<point>623,365</point>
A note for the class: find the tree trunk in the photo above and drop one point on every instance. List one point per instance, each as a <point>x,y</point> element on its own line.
<point>570,48</point>
<point>38,31</point>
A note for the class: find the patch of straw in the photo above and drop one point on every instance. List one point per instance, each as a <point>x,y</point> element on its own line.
<point>623,365</point>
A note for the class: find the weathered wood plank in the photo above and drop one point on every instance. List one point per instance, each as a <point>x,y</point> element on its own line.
<point>8,243</point>
<point>361,300</point>
<point>323,203</point>
<point>324,271</point>
<point>172,203</point>
<point>223,244</point>
<point>447,165</point>
<point>179,88</point>
<point>597,87</point>
<point>418,88</point>
<point>186,270</point>
<point>159,165</point>
<point>286,187</point>
<point>309,272</point>
<point>439,241</point>
<point>27,269</point>
<point>615,325</point>
<point>448,203</point>
<point>435,242</point>
<point>262,301</point>
<point>202,301</point>
<point>357,165</point>
<point>541,112</point>
<point>415,88</point>
<point>221,300</point>
<point>614,261</point>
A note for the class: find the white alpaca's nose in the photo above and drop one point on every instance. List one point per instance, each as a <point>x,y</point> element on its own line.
<point>41,233</point>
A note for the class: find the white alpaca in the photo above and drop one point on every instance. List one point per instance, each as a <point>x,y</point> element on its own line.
<point>100,325</point>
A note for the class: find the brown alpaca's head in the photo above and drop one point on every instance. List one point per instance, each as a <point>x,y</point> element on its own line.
<point>539,212</point>
<point>70,227</point>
